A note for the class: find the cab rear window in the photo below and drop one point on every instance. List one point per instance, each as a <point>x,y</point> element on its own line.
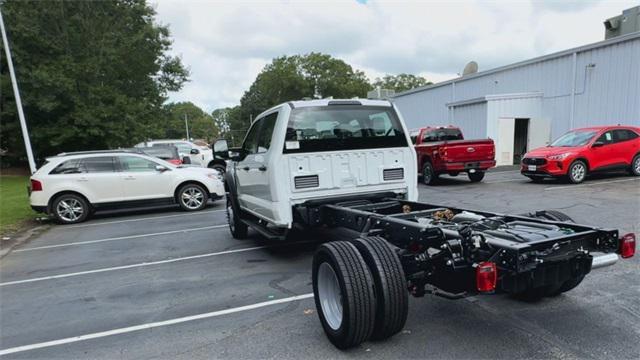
<point>344,127</point>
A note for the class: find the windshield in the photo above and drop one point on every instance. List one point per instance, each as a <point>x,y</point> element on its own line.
<point>574,138</point>
<point>442,135</point>
<point>343,127</point>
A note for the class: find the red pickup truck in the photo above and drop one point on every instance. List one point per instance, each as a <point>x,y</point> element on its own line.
<point>443,150</point>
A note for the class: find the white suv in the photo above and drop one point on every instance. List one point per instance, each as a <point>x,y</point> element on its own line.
<point>313,151</point>
<point>72,186</point>
<point>198,155</point>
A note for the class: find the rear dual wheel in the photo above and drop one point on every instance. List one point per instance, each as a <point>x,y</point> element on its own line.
<point>359,290</point>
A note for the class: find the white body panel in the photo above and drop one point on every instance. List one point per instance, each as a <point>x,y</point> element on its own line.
<point>271,194</point>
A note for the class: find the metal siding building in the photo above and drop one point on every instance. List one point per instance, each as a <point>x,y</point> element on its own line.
<point>596,84</point>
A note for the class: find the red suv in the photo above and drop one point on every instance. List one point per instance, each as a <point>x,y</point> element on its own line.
<point>583,151</point>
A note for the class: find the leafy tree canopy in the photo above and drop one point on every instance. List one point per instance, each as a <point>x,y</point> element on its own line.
<point>286,78</point>
<point>400,82</point>
<point>201,124</point>
<point>92,75</point>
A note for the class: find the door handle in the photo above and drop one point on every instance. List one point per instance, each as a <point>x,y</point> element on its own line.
<point>84,179</point>
<point>129,178</point>
<point>246,168</point>
<point>262,168</point>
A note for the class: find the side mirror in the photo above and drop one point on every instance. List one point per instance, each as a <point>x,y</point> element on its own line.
<point>597,144</point>
<point>161,168</point>
<point>195,152</point>
<point>186,160</point>
<point>236,154</point>
<point>221,149</point>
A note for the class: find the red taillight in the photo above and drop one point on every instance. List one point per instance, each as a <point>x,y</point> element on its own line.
<point>37,186</point>
<point>176,161</point>
<point>628,245</point>
<point>486,276</point>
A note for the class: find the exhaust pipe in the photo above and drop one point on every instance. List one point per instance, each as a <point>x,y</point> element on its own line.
<point>603,260</point>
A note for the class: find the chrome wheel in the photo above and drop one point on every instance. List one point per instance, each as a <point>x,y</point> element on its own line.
<point>192,198</point>
<point>578,172</point>
<point>636,166</point>
<point>69,209</point>
<point>330,296</point>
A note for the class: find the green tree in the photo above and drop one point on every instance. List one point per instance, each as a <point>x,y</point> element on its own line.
<point>400,82</point>
<point>92,75</point>
<point>201,124</point>
<point>295,77</point>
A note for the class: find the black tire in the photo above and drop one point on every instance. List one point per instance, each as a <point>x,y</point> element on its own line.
<point>70,209</point>
<point>192,197</point>
<point>429,177</point>
<point>221,168</point>
<point>536,179</point>
<point>635,165</point>
<point>577,172</point>
<point>392,298</point>
<point>572,283</point>
<point>356,299</point>
<point>476,176</point>
<point>239,230</point>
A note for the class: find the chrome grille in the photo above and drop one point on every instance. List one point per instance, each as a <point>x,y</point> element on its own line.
<point>393,174</point>
<point>309,181</point>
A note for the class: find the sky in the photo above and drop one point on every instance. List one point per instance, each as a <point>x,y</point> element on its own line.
<point>225,44</point>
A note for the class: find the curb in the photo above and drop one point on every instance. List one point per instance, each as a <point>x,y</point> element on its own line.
<point>8,245</point>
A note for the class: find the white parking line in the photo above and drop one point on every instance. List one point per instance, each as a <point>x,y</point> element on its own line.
<point>588,184</point>
<point>124,267</point>
<point>129,329</point>
<point>141,219</point>
<point>118,238</point>
<point>503,181</point>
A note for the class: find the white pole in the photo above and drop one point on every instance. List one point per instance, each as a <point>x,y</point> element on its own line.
<point>16,93</point>
<point>186,125</point>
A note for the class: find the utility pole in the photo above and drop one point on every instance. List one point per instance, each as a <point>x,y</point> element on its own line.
<point>16,94</point>
<point>186,125</point>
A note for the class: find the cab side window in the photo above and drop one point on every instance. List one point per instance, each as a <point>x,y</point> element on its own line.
<point>250,144</point>
<point>606,138</point>
<point>136,164</point>
<point>268,124</point>
<point>623,135</point>
<point>102,164</point>
<point>68,167</point>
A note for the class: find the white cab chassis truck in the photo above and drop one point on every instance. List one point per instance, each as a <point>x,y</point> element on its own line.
<point>350,164</point>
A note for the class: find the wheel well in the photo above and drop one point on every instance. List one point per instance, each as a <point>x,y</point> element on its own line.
<point>217,162</point>
<point>58,194</point>
<point>425,159</point>
<point>585,161</point>
<point>175,193</point>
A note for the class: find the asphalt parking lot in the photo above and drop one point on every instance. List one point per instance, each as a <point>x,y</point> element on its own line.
<point>166,284</point>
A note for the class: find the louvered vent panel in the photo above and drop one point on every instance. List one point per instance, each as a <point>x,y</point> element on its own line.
<point>393,174</point>
<point>303,182</point>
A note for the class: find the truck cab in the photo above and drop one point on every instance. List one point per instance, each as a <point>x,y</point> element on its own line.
<point>443,150</point>
<point>304,151</point>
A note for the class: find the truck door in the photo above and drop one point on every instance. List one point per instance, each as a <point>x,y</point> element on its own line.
<point>254,190</point>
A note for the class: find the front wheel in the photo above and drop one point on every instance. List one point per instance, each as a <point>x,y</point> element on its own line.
<point>220,168</point>
<point>476,176</point>
<point>635,165</point>
<point>239,230</point>
<point>343,293</point>
<point>192,197</point>
<point>70,209</point>
<point>577,172</point>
